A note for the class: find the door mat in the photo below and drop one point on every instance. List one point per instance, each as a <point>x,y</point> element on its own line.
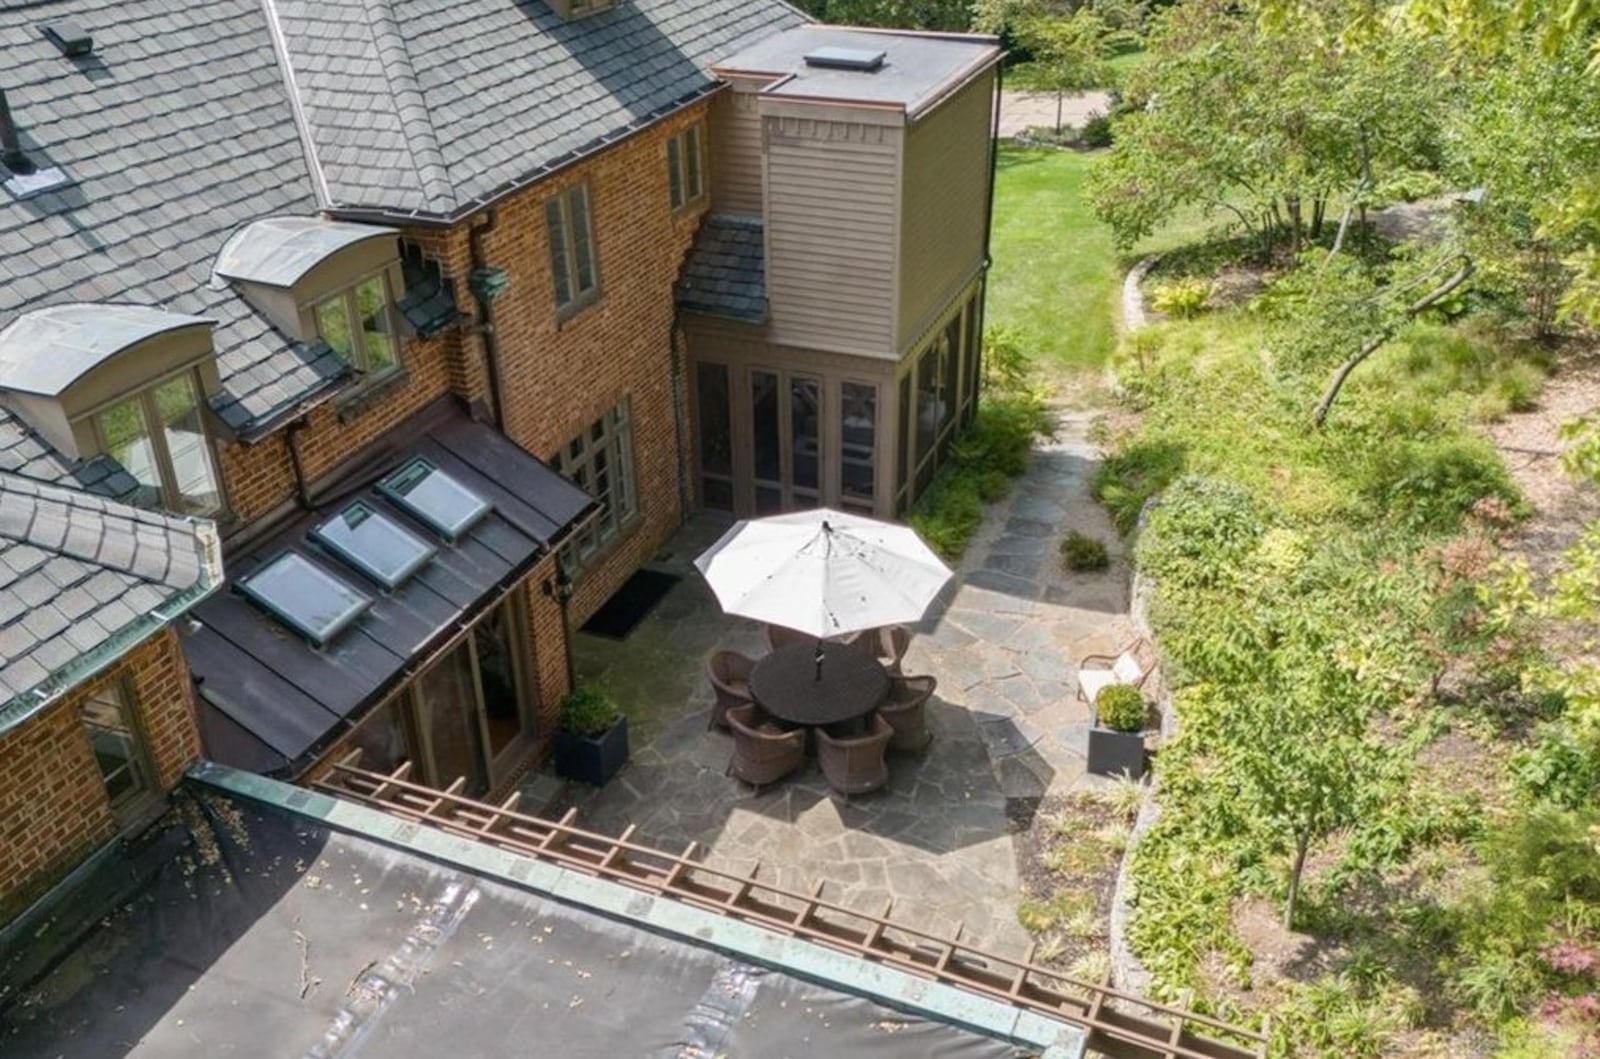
<point>631,603</point>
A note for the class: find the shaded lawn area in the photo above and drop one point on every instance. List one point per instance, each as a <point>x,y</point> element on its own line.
<point>1056,274</point>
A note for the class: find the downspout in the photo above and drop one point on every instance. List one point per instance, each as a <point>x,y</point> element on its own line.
<point>680,406</point>
<point>290,435</point>
<point>988,224</point>
<point>485,329</point>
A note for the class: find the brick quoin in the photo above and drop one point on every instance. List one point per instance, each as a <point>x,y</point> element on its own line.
<point>54,810</point>
<point>556,377</point>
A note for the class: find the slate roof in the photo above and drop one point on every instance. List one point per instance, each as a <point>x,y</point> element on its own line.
<point>78,574</point>
<point>175,131</point>
<point>725,272</point>
<point>430,107</point>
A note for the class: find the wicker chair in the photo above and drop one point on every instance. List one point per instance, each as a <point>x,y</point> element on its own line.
<point>778,636</point>
<point>906,710</point>
<point>1131,666</point>
<point>854,764</point>
<point>730,679</point>
<point>762,753</point>
<point>888,645</point>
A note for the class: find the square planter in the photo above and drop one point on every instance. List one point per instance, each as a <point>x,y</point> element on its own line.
<point>1113,753</point>
<point>592,759</point>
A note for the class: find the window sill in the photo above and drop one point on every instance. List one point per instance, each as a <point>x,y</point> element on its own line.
<point>577,568</point>
<point>361,396</point>
<point>574,309</point>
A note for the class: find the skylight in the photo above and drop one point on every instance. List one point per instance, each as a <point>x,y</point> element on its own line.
<point>446,505</point>
<point>305,597</point>
<point>375,544</point>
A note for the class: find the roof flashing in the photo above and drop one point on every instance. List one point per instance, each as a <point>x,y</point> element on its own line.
<point>69,39</point>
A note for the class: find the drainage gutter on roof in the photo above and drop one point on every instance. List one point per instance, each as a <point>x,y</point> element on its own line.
<point>97,659</point>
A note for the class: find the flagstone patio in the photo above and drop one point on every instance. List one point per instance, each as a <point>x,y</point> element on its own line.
<point>1003,640</point>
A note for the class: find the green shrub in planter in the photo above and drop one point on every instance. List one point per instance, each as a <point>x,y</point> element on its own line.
<point>591,739</point>
<point>1082,552</point>
<point>1120,708</point>
<point>588,711</point>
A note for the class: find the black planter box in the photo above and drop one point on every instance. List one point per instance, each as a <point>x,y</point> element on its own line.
<point>1114,753</point>
<point>594,759</point>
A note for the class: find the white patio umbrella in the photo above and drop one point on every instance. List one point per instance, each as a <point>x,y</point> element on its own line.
<point>823,572</point>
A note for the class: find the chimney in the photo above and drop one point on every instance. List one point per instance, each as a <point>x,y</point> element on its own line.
<point>11,155</point>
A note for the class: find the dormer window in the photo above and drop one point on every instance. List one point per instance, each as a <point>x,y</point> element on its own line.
<point>358,323</point>
<point>158,435</point>
<point>325,280</point>
<point>574,9</point>
<point>129,382</point>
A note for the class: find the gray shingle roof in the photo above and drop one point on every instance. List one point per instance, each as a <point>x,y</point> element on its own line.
<point>78,575</point>
<point>430,106</point>
<point>725,272</point>
<point>175,131</point>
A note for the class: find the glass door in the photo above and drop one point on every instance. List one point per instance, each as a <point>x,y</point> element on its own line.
<point>448,718</point>
<point>505,725</point>
<point>786,431</point>
<point>119,751</point>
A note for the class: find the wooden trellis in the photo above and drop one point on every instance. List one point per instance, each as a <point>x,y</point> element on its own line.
<point>1118,1024</point>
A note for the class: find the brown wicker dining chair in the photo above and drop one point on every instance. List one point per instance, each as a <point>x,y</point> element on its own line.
<point>730,679</point>
<point>854,764</point>
<point>778,636</point>
<point>762,752</point>
<point>906,710</point>
<point>888,645</point>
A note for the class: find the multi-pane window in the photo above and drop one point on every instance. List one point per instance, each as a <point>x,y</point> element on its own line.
<point>572,259</point>
<point>118,749</point>
<point>358,323</point>
<point>158,435</point>
<point>685,161</point>
<point>600,461</point>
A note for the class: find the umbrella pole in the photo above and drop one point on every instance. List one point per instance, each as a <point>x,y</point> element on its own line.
<point>817,658</point>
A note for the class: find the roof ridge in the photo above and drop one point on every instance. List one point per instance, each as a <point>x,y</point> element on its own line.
<point>422,140</point>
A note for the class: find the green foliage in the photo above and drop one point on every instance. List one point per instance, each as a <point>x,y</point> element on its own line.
<point>1080,552</point>
<point>1430,485</point>
<point>1201,533</point>
<point>1007,363</point>
<point>588,710</point>
<point>946,15</point>
<point>1120,708</point>
<point>1131,475</point>
<point>1070,53</point>
<point>1096,132</point>
<point>1559,769</point>
<point>1182,298</point>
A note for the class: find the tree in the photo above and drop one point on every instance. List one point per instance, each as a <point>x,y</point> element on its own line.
<point>1070,54</point>
<point>1268,121</point>
<point>946,15</point>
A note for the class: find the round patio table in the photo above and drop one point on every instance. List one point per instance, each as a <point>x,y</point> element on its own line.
<point>786,683</point>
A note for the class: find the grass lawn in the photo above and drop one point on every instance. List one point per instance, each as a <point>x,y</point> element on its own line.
<point>1056,274</point>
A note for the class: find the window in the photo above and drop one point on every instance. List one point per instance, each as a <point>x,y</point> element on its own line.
<point>715,435</point>
<point>600,461</point>
<point>358,323</point>
<point>444,504</point>
<point>159,437</point>
<point>579,8</point>
<point>118,748</point>
<point>305,597</point>
<point>858,432</point>
<point>572,258</point>
<point>684,167</point>
<point>374,543</point>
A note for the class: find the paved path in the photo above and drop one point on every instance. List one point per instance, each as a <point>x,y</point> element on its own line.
<point>1008,728</point>
<point>1019,110</point>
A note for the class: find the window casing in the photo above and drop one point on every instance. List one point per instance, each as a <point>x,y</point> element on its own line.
<point>358,323</point>
<point>580,8</point>
<point>119,749</point>
<point>158,435</point>
<point>686,167</point>
<point>574,271</point>
<point>600,461</point>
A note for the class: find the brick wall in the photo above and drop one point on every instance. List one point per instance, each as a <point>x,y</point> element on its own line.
<point>53,805</point>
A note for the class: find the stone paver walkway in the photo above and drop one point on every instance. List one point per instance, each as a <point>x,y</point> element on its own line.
<point>1003,642</point>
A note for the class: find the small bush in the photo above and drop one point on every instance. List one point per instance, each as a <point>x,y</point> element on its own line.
<point>588,711</point>
<point>1181,298</point>
<point>1519,385</point>
<point>1132,475</point>
<point>1096,132</point>
<point>1007,364</point>
<point>1430,485</point>
<point>1120,708</point>
<point>1081,552</point>
<point>1558,769</point>
<point>1202,534</point>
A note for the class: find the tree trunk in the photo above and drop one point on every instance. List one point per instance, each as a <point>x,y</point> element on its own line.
<point>1422,304</point>
<point>1291,205</point>
<point>1059,95</point>
<point>1302,844</point>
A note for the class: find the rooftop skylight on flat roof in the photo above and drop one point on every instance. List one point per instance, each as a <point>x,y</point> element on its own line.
<point>305,597</point>
<point>375,544</point>
<point>447,506</point>
<point>835,57</point>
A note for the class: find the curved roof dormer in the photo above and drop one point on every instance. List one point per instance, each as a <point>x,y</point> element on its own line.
<point>282,251</point>
<point>62,366</point>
